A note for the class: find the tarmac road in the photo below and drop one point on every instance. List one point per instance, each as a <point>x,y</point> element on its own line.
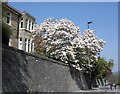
<point>101,90</point>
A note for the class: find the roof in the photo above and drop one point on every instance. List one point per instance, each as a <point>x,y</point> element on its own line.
<point>12,8</point>
<point>5,4</point>
<point>29,15</point>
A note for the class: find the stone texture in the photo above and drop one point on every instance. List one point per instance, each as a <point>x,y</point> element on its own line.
<point>14,23</point>
<point>25,32</point>
<point>22,72</point>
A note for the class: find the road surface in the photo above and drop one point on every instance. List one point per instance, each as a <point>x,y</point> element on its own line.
<point>103,89</point>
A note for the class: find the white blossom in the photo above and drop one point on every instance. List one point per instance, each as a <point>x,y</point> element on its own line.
<point>64,42</point>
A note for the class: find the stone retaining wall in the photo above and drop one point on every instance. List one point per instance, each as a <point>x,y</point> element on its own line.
<point>23,72</point>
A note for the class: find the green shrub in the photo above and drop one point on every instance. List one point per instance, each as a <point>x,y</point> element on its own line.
<point>42,53</point>
<point>118,82</point>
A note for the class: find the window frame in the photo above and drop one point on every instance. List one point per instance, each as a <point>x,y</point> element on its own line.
<point>21,23</point>
<point>8,17</point>
<point>20,43</point>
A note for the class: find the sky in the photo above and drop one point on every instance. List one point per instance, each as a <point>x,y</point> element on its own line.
<point>104,16</point>
<point>63,0</point>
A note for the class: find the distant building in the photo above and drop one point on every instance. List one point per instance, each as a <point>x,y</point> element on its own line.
<point>12,17</point>
<point>22,23</point>
<point>27,23</point>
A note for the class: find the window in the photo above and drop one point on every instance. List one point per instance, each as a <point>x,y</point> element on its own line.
<point>20,39</point>
<point>26,23</point>
<point>10,42</point>
<point>20,43</point>
<point>25,44</point>
<point>29,25</point>
<point>21,24</point>
<point>9,18</point>
<point>32,25</point>
<point>32,47</point>
<point>28,45</point>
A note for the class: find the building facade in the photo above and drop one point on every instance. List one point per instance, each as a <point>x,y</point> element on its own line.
<point>26,27</point>
<point>22,24</point>
<point>11,16</point>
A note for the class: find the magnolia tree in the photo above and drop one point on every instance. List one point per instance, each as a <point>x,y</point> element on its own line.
<point>64,43</point>
<point>92,48</point>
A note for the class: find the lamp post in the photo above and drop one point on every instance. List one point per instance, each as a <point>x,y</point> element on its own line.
<point>89,63</point>
<point>88,53</point>
<point>88,24</point>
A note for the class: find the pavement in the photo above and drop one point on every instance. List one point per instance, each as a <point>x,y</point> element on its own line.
<point>104,89</point>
